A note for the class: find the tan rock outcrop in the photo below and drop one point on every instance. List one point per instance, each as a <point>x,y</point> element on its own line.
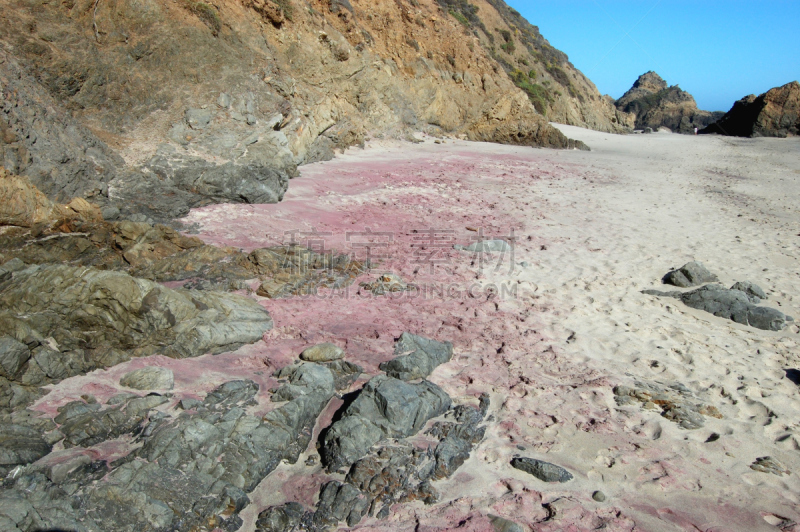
<point>776,113</point>
<point>22,204</point>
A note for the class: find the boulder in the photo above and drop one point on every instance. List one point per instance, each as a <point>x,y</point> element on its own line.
<point>416,357</point>
<point>385,408</point>
<point>149,378</point>
<point>324,352</point>
<point>731,304</point>
<point>544,471</point>
<point>21,203</point>
<point>690,274</point>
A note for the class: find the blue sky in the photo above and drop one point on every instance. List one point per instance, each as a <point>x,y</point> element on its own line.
<point>719,51</point>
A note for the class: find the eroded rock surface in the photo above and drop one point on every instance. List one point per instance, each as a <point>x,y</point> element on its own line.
<point>416,357</point>
<point>193,470</point>
<point>385,408</point>
<point>392,472</point>
<point>72,320</point>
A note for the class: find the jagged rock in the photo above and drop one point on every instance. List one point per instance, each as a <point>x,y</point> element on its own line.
<point>690,274</point>
<point>39,138</point>
<point>149,378</point>
<point>281,518</point>
<point>90,425</point>
<point>776,113</point>
<point>303,379</point>
<point>203,461</point>
<point>391,473</point>
<point>198,118</point>
<point>20,445</point>
<point>386,407</point>
<point>656,105</point>
<point>416,357</point>
<point>767,464</point>
<point>344,373</point>
<point>731,304</point>
<point>676,402</point>
<point>542,470</point>
<point>82,307</point>
<point>13,356</point>
<point>75,320</point>
<point>753,291</point>
<point>324,352</point>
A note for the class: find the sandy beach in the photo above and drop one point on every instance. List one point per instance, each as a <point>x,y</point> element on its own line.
<point>550,329</point>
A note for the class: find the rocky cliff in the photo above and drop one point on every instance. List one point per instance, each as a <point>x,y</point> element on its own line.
<point>202,102</point>
<point>557,89</point>
<point>776,113</point>
<point>656,104</point>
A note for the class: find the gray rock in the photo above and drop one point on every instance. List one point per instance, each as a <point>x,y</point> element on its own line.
<point>202,462</point>
<point>392,472</point>
<point>690,274</point>
<point>224,100</point>
<point>88,308</point>
<point>544,471</point>
<point>13,356</point>
<point>324,352</point>
<point>305,379</point>
<point>485,246</point>
<point>44,143</point>
<point>500,524</point>
<point>753,291</point>
<point>149,378</point>
<point>386,407</point>
<point>20,445</point>
<point>344,373</point>
<point>416,357</point>
<point>599,496</point>
<point>731,304</point>
<point>281,518</point>
<point>14,265</point>
<point>99,318</point>
<point>110,212</point>
<point>198,118</point>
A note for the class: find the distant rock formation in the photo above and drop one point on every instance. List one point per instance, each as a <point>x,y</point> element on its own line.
<point>776,113</point>
<point>656,104</point>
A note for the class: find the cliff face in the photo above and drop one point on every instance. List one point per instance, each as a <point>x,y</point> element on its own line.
<point>241,88</point>
<point>655,104</point>
<point>776,113</point>
<point>557,89</point>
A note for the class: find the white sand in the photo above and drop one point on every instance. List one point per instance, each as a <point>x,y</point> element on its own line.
<point>657,202</point>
